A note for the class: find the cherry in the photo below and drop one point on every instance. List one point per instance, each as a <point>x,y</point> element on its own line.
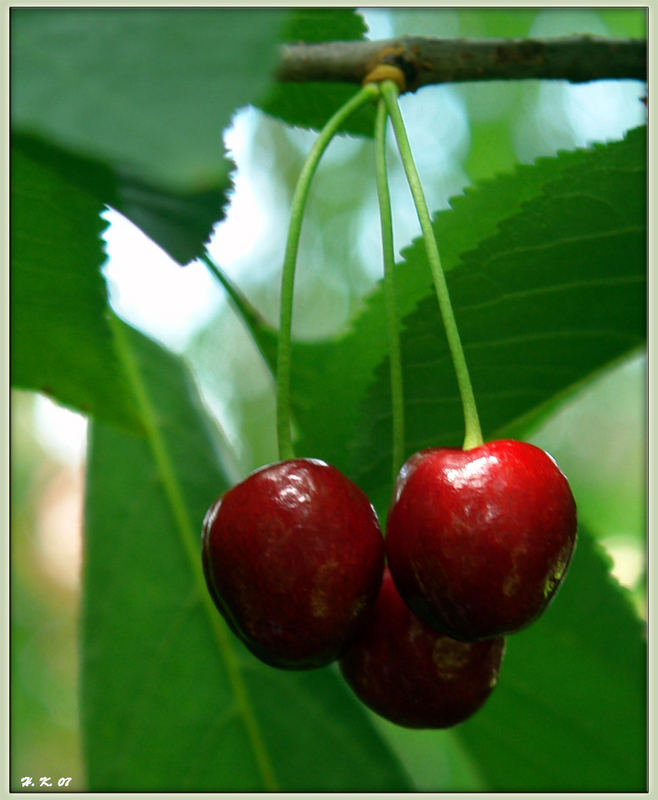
<point>293,558</point>
<point>412,675</point>
<point>478,541</point>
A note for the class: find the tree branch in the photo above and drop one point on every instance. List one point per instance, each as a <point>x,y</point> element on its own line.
<point>430,60</point>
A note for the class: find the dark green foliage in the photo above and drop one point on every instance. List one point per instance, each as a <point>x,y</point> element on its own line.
<point>180,222</point>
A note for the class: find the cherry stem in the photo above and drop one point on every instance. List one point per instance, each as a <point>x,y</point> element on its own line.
<point>383,194</point>
<point>473,432</point>
<point>283,416</point>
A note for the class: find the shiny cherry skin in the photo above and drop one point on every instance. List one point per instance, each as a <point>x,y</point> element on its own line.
<point>478,541</point>
<point>414,676</point>
<point>293,558</point>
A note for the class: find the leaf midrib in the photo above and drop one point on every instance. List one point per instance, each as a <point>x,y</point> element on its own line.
<point>179,509</point>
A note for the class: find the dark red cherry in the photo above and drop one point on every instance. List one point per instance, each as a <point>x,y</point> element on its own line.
<point>414,676</point>
<point>478,541</point>
<point>293,558</point>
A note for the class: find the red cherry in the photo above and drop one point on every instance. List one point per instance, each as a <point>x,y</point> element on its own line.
<point>293,558</point>
<point>478,541</point>
<point>413,676</point>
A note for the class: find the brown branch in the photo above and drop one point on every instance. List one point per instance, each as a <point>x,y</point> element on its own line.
<point>428,60</point>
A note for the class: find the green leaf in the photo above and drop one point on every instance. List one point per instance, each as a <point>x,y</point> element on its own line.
<point>309,105</point>
<point>149,90</point>
<point>625,21</point>
<point>437,760</point>
<point>179,222</point>
<point>171,701</point>
<point>61,343</point>
<point>573,209</point>
<point>492,149</point>
<point>510,23</point>
<point>323,25</point>
<point>569,712</point>
<point>558,293</point>
<point>577,190</point>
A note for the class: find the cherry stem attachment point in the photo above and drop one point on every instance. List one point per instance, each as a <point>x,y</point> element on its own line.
<point>473,432</point>
<point>283,416</point>
<point>383,194</point>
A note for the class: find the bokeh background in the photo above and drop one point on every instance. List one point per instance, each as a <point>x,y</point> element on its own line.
<point>460,134</point>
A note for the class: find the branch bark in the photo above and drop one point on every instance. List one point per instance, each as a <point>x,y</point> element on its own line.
<point>430,60</point>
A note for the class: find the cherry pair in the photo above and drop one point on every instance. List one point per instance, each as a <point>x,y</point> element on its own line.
<point>477,543</point>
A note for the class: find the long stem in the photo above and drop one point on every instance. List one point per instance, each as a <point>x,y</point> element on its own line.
<point>247,313</point>
<point>284,432</point>
<point>473,432</point>
<point>383,194</point>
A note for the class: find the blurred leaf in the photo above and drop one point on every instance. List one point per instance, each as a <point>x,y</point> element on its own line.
<point>506,23</point>
<point>569,712</point>
<point>44,737</point>
<point>171,701</point>
<point>323,25</point>
<point>179,222</point>
<point>424,21</point>
<point>625,21</point>
<point>610,416</point>
<point>309,105</point>
<point>437,760</point>
<point>492,149</point>
<point>61,343</point>
<point>149,90</point>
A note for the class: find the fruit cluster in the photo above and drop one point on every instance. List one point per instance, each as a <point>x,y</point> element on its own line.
<point>477,543</point>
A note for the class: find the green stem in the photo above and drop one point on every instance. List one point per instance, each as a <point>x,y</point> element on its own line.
<point>284,432</point>
<point>247,313</point>
<point>383,194</point>
<point>473,432</point>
